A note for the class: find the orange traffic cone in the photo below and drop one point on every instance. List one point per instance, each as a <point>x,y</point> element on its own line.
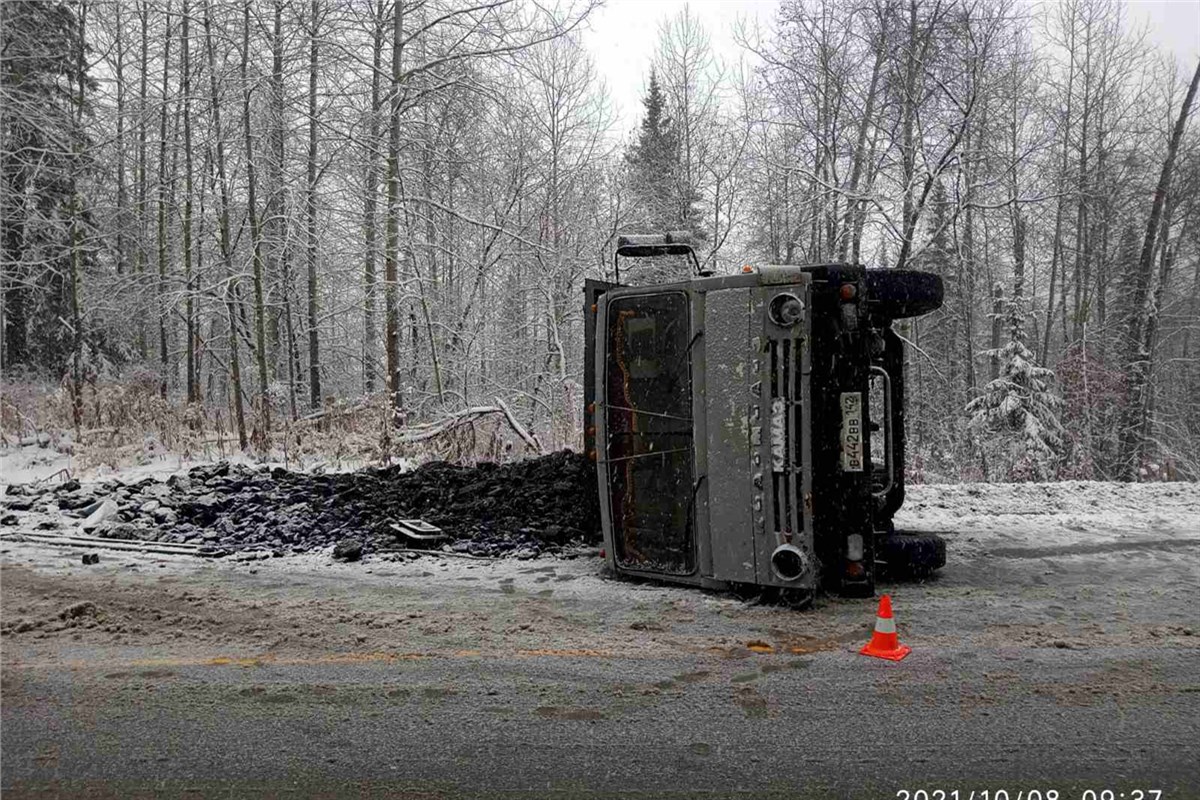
<point>884,643</point>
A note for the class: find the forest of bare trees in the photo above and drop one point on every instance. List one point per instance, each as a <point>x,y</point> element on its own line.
<point>268,220</point>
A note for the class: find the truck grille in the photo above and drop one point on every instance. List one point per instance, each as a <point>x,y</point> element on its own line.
<point>785,430</point>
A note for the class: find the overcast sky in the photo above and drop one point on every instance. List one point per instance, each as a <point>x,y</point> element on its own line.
<point>623,34</point>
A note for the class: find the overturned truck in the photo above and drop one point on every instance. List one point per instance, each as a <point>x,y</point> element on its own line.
<point>748,429</point>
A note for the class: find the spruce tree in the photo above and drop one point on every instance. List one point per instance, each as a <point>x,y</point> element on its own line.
<point>664,204</point>
<point>1018,412</point>
<point>43,154</point>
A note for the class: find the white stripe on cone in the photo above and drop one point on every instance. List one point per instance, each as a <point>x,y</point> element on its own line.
<point>885,625</point>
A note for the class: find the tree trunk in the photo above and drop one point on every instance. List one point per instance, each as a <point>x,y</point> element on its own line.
<point>860,148</point>
<point>140,256</point>
<point>860,213</point>
<point>1083,191</point>
<point>172,204</point>
<point>277,221</point>
<point>224,238</point>
<point>193,387</point>
<point>122,190</point>
<point>76,260</point>
<point>370,204</point>
<point>293,352</point>
<point>908,153</point>
<point>160,286</point>
<point>203,393</point>
<point>1057,257</point>
<point>391,256</point>
<point>1154,302</point>
<point>314,351</point>
<point>1166,262</point>
<point>1137,360</point>
<point>966,276</point>
<point>260,325</point>
<point>997,330</point>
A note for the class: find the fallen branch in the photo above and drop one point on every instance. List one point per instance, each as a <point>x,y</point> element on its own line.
<point>319,414</point>
<point>528,438</point>
<point>97,432</point>
<point>421,433</point>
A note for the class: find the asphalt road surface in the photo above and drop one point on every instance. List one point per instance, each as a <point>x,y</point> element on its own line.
<point>1054,654</point>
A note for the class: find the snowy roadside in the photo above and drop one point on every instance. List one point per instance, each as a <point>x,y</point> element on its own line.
<point>1070,566</point>
<point>1019,518</point>
<point>31,463</point>
<point>1052,516</point>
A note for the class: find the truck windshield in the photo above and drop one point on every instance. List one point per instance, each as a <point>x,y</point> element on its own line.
<point>649,429</point>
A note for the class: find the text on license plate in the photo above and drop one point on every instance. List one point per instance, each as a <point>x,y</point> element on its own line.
<point>852,432</point>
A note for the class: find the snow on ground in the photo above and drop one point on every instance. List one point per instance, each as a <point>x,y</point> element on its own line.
<point>1050,625</point>
<point>1090,498</point>
<point>32,463</point>
<point>1074,566</point>
<point>1054,515</point>
<point>1065,614</point>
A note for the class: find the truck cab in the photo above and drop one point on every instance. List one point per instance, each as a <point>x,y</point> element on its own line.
<point>748,429</point>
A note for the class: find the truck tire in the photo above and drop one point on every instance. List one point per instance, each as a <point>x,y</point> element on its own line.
<point>907,554</point>
<point>900,293</point>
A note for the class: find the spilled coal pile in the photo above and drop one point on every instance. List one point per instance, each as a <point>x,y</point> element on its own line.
<point>522,508</point>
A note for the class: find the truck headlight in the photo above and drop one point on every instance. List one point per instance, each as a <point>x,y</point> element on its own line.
<point>790,563</point>
<point>786,310</point>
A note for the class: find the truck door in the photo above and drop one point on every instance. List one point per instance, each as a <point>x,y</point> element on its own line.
<point>648,452</point>
<point>592,290</point>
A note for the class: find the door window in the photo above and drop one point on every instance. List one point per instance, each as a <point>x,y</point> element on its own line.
<point>649,427</point>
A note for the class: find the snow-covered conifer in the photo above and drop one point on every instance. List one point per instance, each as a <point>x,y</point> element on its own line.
<point>1018,412</point>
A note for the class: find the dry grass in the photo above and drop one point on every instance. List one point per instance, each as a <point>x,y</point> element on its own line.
<point>130,423</point>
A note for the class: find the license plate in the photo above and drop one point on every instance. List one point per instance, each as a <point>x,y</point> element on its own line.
<point>852,432</point>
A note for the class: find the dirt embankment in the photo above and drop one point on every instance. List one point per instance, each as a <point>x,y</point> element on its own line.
<point>523,508</point>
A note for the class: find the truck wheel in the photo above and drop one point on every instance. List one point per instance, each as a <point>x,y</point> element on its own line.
<point>899,293</point>
<point>797,599</point>
<point>910,554</point>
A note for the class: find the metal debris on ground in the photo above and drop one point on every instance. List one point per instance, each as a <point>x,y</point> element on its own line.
<point>130,545</point>
<point>418,529</point>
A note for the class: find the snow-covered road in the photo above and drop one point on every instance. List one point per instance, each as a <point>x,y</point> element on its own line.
<point>1059,648</point>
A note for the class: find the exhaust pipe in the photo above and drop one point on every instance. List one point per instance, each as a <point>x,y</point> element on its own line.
<point>789,563</point>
